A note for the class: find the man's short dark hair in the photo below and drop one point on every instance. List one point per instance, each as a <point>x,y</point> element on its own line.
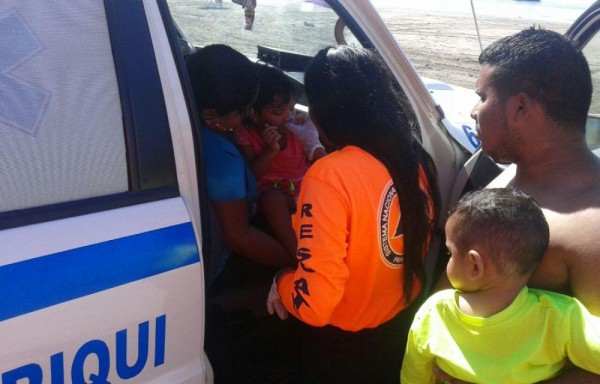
<point>548,67</point>
<point>509,223</point>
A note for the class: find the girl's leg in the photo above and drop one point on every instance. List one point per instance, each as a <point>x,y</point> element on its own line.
<point>275,206</point>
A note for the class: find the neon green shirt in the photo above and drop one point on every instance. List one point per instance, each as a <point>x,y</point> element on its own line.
<point>529,341</point>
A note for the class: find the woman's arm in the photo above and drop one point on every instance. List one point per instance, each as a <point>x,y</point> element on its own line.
<point>249,241</point>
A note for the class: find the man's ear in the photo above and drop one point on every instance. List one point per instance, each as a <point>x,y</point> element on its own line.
<point>519,107</point>
<point>476,264</point>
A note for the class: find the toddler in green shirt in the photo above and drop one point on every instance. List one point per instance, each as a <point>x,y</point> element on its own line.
<point>491,328</point>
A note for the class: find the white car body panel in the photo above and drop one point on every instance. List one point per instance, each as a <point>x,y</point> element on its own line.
<point>457,103</point>
<point>77,288</point>
<point>154,288</point>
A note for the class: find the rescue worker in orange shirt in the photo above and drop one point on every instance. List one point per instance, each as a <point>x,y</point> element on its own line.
<point>360,255</point>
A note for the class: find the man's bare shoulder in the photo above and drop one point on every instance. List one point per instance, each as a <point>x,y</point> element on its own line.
<point>572,263</point>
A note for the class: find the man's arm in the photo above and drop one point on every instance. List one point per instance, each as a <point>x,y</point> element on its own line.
<point>575,375</point>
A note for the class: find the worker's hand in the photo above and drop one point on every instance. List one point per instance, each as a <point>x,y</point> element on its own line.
<point>299,118</point>
<point>274,303</point>
<point>308,134</point>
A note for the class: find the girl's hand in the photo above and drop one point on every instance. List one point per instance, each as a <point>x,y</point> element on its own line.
<point>271,138</point>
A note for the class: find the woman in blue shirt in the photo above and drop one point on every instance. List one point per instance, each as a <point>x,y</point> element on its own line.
<point>225,85</point>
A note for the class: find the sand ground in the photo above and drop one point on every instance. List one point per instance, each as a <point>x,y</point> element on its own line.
<point>440,45</point>
<point>446,47</point>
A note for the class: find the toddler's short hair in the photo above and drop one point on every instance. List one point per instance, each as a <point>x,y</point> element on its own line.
<point>273,83</point>
<point>508,222</point>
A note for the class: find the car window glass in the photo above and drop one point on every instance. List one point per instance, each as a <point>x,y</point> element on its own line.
<point>61,130</point>
<point>284,33</point>
<point>298,26</point>
<point>592,54</point>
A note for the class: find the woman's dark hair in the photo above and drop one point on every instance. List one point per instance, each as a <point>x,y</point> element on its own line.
<point>352,100</point>
<point>222,79</point>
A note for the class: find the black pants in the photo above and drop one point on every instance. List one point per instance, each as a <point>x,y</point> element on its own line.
<point>331,355</point>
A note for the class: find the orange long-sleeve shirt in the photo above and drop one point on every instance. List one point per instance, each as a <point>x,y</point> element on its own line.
<point>350,269</point>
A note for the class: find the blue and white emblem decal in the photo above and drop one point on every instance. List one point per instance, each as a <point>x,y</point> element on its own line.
<point>391,235</point>
<point>23,104</point>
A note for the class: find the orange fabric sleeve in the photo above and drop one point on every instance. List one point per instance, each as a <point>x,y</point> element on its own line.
<point>327,273</point>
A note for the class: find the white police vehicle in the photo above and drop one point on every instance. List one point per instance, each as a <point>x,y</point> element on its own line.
<point>105,234</point>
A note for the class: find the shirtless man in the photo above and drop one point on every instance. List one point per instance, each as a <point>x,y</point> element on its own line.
<point>535,91</point>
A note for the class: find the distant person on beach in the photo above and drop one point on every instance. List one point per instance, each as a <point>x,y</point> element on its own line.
<point>249,10</point>
<point>535,89</point>
<point>491,328</point>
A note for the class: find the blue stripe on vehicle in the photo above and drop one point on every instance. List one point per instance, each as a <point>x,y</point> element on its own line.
<point>38,283</point>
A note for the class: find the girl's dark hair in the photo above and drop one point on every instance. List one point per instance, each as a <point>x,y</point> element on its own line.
<point>273,83</point>
<point>352,100</point>
<point>222,79</point>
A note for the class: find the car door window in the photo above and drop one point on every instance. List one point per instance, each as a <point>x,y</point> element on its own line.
<point>297,26</point>
<point>61,138</point>
<point>284,33</point>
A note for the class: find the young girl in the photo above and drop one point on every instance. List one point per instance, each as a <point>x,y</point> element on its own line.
<point>275,154</point>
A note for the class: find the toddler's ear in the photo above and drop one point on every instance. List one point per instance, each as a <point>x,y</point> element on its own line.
<point>476,264</point>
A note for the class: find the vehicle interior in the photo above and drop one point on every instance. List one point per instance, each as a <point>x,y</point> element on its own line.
<point>244,343</point>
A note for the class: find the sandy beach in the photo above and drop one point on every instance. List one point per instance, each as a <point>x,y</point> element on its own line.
<point>446,46</point>
<point>441,45</point>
